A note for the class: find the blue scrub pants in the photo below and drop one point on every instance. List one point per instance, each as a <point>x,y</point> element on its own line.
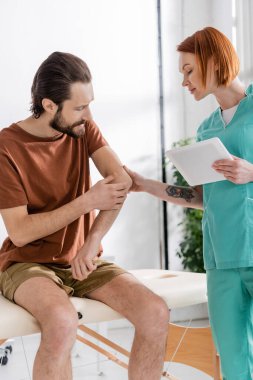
<point>230,303</point>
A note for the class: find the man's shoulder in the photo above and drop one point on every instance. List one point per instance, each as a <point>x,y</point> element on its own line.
<point>91,125</point>
<point>7,135</point>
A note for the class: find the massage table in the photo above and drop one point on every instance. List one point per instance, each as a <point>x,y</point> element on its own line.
<point>192,346</point>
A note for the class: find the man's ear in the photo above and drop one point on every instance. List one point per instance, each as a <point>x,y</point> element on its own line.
<point>49,106</point>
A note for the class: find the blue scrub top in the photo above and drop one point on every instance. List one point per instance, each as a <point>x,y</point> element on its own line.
<point>228,207</point>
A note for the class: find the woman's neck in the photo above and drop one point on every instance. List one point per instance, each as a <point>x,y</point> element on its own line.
<point>230,96</point>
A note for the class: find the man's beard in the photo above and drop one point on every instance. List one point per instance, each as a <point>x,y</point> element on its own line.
<point>58,123</point>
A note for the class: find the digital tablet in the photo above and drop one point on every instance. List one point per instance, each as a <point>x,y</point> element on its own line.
<point>195,161</point>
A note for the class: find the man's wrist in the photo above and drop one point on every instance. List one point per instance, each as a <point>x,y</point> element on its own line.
<point>87,202</point>
<point>94,237</point>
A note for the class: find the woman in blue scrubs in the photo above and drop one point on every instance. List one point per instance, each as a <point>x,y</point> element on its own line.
<point>209,66</point>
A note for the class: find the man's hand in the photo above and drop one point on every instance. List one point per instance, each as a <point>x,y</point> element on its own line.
<point>85,261</point>
<point>138,183</point>
<point>107,196</point>
<point>238,171</point>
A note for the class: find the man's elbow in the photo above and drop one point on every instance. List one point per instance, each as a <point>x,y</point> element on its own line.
<point>129,182</point>
<point>18,237</point>
<point>17,240</point>
<point>123,177</point>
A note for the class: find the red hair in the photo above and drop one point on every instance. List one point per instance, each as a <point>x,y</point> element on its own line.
<point>210,43</point>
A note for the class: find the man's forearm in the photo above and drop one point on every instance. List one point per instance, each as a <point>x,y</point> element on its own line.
<point>105,219</point>
<point>102,224</point>
<point>184,196</point>
<point>37,226</point>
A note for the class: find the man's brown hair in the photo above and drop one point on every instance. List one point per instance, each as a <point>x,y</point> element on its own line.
<point>54,78</point>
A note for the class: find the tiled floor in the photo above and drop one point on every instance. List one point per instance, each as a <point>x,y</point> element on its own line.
<point>84,361</point>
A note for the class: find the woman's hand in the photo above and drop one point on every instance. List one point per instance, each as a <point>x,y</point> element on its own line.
<point>238,170</point>
<point>138,181</point>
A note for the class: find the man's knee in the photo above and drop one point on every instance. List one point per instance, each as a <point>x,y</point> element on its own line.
<point>159,311</point>
<point>155,315</point>
<point>59,327</point>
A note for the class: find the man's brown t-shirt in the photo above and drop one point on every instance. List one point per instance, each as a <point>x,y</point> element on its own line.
<point>45,174</point>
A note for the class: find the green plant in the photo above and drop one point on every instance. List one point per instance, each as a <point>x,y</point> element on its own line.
<point>191,247</point>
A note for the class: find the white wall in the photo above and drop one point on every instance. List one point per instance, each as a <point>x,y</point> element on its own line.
<point>244,30</point>
<point>117,39</point>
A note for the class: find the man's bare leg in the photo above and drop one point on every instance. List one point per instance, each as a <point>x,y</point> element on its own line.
<point>150,316</point>
<point>57,317</point>
<point>66,370</point>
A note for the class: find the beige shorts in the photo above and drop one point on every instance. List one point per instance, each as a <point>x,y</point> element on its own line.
<point>17,273</point>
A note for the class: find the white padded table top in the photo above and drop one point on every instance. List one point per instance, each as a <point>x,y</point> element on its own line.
<point>178,289</point>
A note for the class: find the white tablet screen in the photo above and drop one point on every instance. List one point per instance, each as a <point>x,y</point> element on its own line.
<point>195,161</point>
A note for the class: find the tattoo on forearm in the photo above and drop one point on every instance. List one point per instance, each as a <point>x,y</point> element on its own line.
<point>185,193</point>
